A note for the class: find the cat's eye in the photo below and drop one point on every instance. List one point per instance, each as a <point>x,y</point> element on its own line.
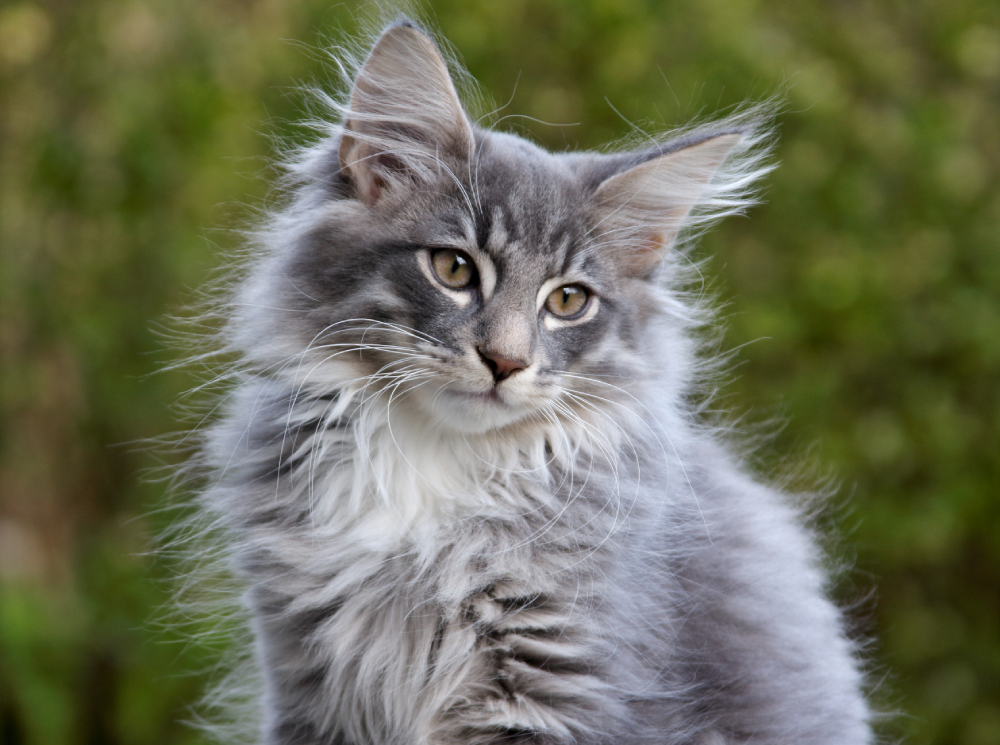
<point>454,268</point>
<point>567,301</point>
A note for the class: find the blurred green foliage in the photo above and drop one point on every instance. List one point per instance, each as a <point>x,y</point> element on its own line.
<point>866,292</point>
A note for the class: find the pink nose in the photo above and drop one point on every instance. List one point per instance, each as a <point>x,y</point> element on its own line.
<point>501,367</point>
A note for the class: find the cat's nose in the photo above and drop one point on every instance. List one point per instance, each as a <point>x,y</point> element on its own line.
<point>501,367</point>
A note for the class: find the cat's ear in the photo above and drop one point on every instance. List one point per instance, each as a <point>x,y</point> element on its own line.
<point>404,115</point>
<point>640,211</point>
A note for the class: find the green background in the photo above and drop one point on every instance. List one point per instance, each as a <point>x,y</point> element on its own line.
<point>864,297</point>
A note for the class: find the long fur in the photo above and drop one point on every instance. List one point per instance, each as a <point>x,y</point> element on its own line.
<point>433,555</point>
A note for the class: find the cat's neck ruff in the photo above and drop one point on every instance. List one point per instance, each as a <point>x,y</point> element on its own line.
<point>382,470</point>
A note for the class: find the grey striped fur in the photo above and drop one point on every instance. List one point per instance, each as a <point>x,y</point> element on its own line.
<point>567,555</point>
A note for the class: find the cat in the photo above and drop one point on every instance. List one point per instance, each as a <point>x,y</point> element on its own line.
<point>463,475</point>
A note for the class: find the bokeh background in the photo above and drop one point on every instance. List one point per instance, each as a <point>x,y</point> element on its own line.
<point>864,297</point>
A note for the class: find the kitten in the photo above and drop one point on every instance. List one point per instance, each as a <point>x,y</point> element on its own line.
<point>462,476</point>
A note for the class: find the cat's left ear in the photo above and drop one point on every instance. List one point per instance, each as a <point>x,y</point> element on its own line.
<point>404,116</point>
<point>640,211</point>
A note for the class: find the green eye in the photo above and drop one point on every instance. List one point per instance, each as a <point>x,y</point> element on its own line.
<point>567,301</point>
<point>454,268</point>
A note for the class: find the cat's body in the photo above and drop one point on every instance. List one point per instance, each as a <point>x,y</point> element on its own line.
<point>461,474</point>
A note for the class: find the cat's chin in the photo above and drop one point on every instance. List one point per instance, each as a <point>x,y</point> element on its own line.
<point>475,412</point>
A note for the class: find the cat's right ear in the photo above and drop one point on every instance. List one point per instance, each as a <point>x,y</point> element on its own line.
<point>404,116</point>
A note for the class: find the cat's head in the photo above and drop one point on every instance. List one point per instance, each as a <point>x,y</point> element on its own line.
<point>469,275</point>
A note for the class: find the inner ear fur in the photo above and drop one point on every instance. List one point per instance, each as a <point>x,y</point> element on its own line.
<point>641,210</point>
<point>404,114</point>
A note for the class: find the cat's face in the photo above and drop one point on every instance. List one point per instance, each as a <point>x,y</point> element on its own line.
<point>470,276</point>
<point>483,300</point>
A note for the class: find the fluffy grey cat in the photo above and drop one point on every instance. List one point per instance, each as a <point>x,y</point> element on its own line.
<point>462,474</point>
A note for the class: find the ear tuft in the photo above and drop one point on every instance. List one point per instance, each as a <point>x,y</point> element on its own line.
<point>645,202</point>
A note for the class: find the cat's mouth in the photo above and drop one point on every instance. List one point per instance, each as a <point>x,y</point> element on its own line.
<point>490,396</point>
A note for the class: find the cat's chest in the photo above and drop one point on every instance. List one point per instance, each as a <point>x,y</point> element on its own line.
<point>385,486</point>
<point>396,505</point>
<point>445,568</point>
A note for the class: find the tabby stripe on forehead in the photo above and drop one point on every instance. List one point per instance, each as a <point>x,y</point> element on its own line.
<point>483,227</point>
<point>513,227</point>
<point>568,256</point>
